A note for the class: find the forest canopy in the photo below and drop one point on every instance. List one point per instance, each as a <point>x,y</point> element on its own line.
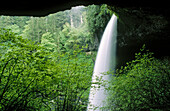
<point>59,31</point>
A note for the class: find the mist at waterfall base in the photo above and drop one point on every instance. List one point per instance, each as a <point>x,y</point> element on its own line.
<point>105,61</point>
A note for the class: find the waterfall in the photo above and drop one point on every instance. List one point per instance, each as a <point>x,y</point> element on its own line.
<point>105,61</point>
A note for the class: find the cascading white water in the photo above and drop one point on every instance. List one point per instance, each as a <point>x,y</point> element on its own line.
<point>105,61</point>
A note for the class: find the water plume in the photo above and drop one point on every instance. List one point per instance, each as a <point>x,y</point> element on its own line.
<point>105,61</point>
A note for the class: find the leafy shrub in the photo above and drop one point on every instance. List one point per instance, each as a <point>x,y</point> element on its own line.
<point>24,78</point>
<point>142,85</point>
<point>32,78</point>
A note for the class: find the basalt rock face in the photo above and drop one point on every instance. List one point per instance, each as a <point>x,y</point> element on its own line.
<point>138,27</point>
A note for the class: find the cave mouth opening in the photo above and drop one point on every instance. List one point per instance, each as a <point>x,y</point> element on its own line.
<point>71,38</point>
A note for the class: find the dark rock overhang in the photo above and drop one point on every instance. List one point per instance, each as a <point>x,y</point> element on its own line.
<point>43,8</point>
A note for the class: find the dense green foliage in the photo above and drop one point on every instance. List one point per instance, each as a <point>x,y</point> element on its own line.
<point>142,85</point>
<point>23,73</point>
<point>32,78</point>
<point>15,23</point>
<point>98,17</point>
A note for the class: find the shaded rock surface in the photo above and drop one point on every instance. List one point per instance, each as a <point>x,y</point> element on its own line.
<point>138,27</point>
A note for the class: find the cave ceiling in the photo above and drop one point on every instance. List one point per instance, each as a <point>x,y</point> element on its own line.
<point>43,8</point>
